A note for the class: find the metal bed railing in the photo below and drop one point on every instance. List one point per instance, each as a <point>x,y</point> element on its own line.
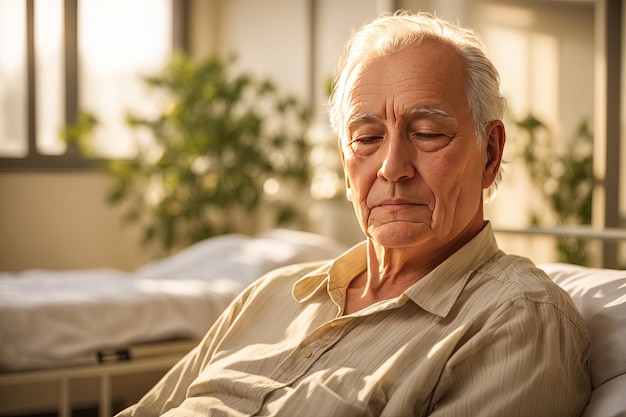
<point>160,359</point>
<point>610,237</point>
<point>608,234</point>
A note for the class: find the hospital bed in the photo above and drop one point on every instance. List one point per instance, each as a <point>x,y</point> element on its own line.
<point>100,338</point>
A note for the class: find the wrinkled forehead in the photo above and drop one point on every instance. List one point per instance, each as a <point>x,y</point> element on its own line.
<point>430,75</point>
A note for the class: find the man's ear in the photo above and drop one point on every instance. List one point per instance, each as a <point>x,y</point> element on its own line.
<point>496,137</point>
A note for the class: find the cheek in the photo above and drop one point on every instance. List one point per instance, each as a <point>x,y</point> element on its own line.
<point>439,172</point>
<point>361,181</point>
<point>361,176</point>
<point>452,178</point>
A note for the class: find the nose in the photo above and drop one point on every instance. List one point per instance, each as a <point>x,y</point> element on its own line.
<point>399,160</point>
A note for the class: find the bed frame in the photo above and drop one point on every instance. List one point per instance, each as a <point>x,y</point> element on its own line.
<point>122,377</point>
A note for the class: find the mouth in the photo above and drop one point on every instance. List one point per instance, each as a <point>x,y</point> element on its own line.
<point>396,204</point>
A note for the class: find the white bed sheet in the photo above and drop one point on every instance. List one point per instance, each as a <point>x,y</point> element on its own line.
<point>60,318</point>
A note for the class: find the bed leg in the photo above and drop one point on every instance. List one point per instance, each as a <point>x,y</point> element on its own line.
<point>105,396</point>
<point>65,409</point>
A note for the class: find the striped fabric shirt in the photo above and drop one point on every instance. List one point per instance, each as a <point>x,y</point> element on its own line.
<point>484,334</point>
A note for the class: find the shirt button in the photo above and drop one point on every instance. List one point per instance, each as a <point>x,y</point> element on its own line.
<point>306,352</point>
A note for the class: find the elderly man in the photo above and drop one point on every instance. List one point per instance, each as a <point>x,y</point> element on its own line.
<point>427,316</point>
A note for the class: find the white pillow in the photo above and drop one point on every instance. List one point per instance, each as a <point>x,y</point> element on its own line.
<point>600,296</point>
<point>242,258</point>
<point>608,400</point>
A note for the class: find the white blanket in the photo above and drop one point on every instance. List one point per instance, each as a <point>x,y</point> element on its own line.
<point>58,318</point>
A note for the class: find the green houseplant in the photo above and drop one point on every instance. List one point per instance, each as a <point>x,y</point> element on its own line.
<point>564,178</point>
<point>219,144</point>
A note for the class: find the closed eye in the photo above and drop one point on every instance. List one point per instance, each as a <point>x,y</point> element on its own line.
<point>431,142</point>
<point>366,145</point>
<point>367,139</point>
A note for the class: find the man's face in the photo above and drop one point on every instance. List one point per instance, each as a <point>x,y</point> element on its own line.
<point>414,171</point>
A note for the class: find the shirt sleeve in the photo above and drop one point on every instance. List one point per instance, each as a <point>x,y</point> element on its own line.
<point>529,360</point>
<point>171,390</point>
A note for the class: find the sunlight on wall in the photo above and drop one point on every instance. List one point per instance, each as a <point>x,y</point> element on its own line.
<point>529,67</point>
<point>528,62</point>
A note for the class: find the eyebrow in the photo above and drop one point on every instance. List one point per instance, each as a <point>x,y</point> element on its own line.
<point>426,112</point>
<point>360,118</point>
<point>413,113</point>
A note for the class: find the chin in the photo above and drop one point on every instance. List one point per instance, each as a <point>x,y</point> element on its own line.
<point>400,234</point>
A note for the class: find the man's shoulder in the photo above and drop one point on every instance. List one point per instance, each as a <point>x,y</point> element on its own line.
<point>518,276</point>
<point>517,280</point>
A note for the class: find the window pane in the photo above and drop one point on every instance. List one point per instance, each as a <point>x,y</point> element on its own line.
<point>13,81</point>
<point>49,75</point>
<point>120,40</point>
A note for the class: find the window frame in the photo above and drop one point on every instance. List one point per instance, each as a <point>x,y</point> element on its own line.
<point>70,160</point>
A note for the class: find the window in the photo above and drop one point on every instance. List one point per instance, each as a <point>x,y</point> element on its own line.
<point>13,80</point>
<point>60,57</point>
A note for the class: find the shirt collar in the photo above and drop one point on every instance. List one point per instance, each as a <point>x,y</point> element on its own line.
<point>436,292</point>
<point>439,289</point>
<point>334,275</point>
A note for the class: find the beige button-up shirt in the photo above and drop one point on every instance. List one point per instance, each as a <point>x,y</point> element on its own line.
<point>484,334</point>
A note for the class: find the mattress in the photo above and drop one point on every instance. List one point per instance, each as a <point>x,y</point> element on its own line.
<point>77,317</point>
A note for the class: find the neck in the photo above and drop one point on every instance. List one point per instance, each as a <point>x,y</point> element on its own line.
<point>391,271</point>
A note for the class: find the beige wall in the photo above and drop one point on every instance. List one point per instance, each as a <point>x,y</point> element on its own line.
<point>62,220</point>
